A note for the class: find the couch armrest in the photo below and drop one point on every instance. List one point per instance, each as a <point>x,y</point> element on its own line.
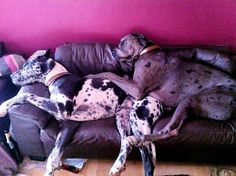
<point>27,135</point>
<point>7,89</point>
<point>216,59</point>
<point>29,111</point>
<point>27,122</point>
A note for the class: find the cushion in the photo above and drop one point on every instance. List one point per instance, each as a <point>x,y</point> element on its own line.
<point>10,63</point>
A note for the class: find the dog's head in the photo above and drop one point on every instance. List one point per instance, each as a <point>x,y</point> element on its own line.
<point>34,70</point>
<point>131,46</point>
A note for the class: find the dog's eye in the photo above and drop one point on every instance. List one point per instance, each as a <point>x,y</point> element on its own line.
<point>123,43</point>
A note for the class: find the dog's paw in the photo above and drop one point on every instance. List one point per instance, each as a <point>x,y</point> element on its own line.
<point>91,76</point>
<point>168,132</point>
<point>49,173</point>
<point>114,174</point>
<point>53,163</point>
<point>164,131</point>
<point>138,141</point>
<point>116,170</point>
<point>135,140</point>
<point>3,110</point>
<point>99,75</point>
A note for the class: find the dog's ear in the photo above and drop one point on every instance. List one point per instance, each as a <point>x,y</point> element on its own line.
<point>47,66</point>
<point>141,39</point>
<point>145,42</point>
<point>47,53</point>
<point>138,35</point>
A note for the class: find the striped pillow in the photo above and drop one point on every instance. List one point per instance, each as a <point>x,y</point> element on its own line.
<point>10,63</point>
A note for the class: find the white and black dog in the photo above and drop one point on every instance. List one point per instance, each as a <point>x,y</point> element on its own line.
<point>73,99</point>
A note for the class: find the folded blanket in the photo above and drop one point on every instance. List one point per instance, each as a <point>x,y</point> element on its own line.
<point>10,63</point>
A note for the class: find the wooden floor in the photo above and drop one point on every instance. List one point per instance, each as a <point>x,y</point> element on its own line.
<point>134,168</point>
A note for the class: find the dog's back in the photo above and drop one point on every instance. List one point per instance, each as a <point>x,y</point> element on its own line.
<point>98,98</point>
<point>87,99</point>
<point>190,79</point>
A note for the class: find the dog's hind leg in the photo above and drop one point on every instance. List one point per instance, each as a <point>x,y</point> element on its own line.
<point>143,115</point>
<point>216,103</point>
<point>64,137</point>
<point>123,125</point>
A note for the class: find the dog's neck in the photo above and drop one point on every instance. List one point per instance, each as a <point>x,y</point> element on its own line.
<point>150,48</point>
<point>57,71</point>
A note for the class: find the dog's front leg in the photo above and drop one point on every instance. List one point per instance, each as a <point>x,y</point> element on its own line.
<point>64,137</point>
<point>14,100</point>
<point>131,87</point>
<point>43,103</point>
<point>6,105</point>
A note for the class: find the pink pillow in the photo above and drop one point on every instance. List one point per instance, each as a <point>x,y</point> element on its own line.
<point>10,63</point>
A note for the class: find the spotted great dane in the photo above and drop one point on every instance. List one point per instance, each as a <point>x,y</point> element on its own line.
<point>178,84</point>
<point>85,100</point>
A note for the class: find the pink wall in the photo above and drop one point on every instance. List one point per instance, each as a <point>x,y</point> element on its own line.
<point>28,25</point>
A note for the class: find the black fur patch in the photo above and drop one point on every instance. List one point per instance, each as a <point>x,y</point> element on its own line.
<point>148,64</point>
<point>61,107</point>
<point>69,106</point>
<point>142,112</point>
<point>199,87</point>
<point>98,83</point>
<point>145,102</point>
<point>196,81</point>
<point>206,71</point>
<point>72,89</point>
<point>108,108</point>
<point>190,71</point>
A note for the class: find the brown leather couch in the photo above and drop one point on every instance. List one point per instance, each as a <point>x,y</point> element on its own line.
<point>200,140</point>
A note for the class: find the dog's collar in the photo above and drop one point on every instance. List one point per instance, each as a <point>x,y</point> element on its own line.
<point>57,71</point>
<point>150,48</point>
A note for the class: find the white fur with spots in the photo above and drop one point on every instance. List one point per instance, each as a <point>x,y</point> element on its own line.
<point>92,103</point>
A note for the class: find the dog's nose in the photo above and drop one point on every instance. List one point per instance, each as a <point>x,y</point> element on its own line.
<point>13,75</point>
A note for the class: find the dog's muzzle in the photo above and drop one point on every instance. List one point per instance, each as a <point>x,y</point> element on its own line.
<point>15,77</point>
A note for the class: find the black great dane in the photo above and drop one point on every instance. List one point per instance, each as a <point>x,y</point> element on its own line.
<point>73,99</point>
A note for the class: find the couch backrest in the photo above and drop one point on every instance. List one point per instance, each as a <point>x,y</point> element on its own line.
<point>83,59</point>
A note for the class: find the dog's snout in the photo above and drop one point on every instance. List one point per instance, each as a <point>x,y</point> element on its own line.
<point>15,77</point>
<point>15,74</point>
<point>12,75</point>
